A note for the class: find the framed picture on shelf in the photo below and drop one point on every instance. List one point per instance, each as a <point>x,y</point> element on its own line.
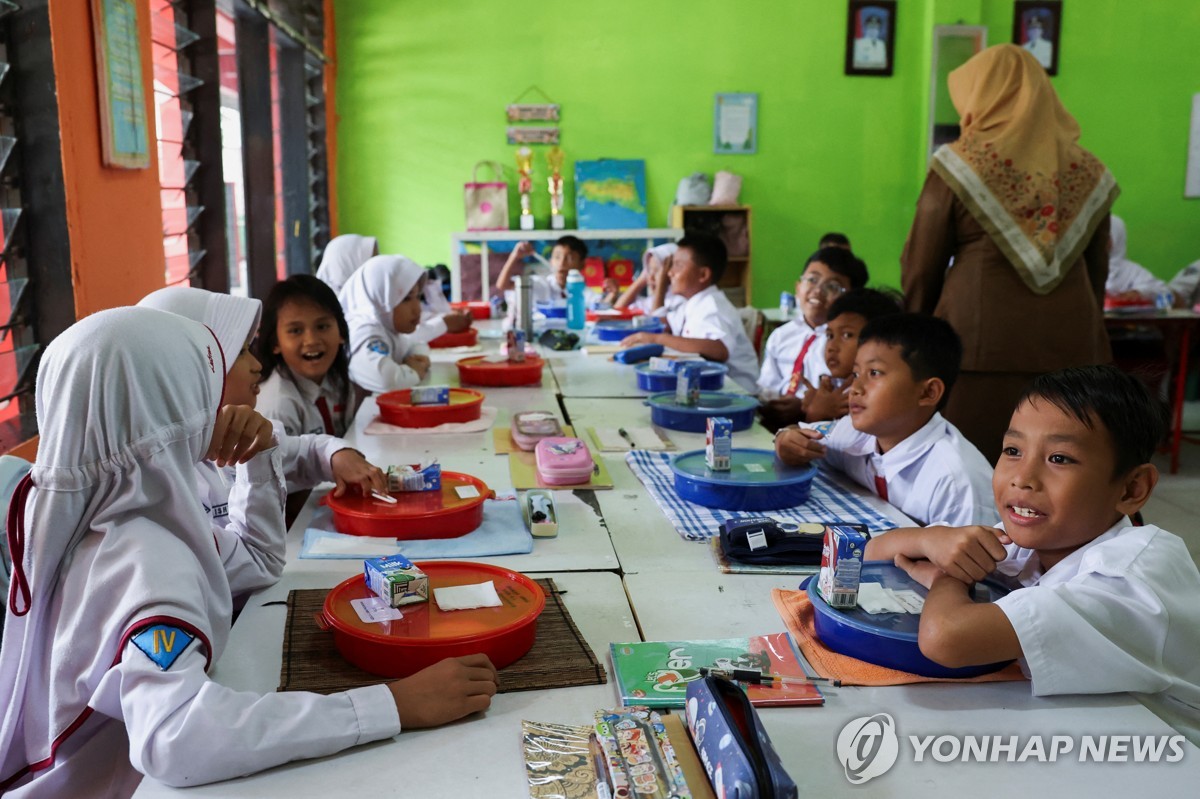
<point>870,37</point>
<point>1036,24</point>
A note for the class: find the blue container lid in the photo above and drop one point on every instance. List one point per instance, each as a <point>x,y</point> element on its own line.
<point>894,626</point>
<point>711,403</point>
<point>639,324</point>
<point>709,368</point>
<point>748,467</point>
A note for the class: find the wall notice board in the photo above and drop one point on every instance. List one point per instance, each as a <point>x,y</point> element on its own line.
<point>119,77</point>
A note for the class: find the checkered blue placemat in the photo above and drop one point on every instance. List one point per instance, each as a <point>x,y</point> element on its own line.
<point>827,504</point>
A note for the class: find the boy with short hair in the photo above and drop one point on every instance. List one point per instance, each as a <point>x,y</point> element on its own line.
<point>795,352</point>
<point>569,253</point>
<point>849,314</point>
<point>704,321</point>
<point>894,439</point>
<point>833,239</point>
<point>1104,606</point>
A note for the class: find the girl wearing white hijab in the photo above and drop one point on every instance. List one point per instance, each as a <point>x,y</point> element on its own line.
<point>120,601</point>
<point>249,501</point>
<point>643,293</point>
<point>343,256</point>
<point>1127,278</point>
<point>383,308</point>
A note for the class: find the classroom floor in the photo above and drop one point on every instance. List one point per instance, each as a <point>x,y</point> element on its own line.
<point>1175,504</point>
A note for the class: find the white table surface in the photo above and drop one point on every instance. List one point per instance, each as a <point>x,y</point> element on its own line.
<point>680,605</point>
<point>579,374</point>
<point>480,756</point>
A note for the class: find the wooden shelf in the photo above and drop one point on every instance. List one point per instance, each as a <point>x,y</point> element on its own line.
<point>709,219</point>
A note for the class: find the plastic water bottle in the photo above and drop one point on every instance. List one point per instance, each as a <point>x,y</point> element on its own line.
<point>576,307</point>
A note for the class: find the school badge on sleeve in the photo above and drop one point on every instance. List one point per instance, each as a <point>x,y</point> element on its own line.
<point>162,643</point>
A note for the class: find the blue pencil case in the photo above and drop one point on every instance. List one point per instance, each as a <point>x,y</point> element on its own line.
<point>734,747</point>
<point>642,352</point>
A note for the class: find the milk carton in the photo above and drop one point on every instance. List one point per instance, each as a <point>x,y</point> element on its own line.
<point>841,566</point>
<point>430,395</point>
<point>718,444</point>
<point>396,580</point>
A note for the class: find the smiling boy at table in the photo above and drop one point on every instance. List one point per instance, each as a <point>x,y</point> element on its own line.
<point>894,439</point>
<point>705,321</point>
<point>1105,606</point>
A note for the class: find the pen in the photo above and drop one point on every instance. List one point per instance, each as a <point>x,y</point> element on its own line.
<point>384,498</point>
<point>621,432</point>
<point>759,678</point>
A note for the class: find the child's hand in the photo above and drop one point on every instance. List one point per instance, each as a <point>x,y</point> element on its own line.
<point>445,691</point>
<point>419,364</point>
<point>524,249</point>
<point>456,321</point>
<point>781,412</point>
<point>826,402</point>
<point>351,468</point>
<point>641,338</point>
<point>921,570</point>
<point>967,554</point>
<point>796,446</point>
<point>239,434</point>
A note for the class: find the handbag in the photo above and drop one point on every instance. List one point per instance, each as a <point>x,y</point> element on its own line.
<point>486,202</point>
<point>734,747</point>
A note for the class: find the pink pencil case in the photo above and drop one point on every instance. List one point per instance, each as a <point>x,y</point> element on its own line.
<point>530,427</point>
<point>563,461</point>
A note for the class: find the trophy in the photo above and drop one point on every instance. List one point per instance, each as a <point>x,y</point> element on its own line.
<point>525,185</point>
<point>554,157</point>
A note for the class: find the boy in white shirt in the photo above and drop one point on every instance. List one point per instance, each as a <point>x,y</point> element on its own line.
<point>705,322</point>
<point>1104,606</point>
<point>569,253</point>
<point>894,440</point>
<point>795,353</point>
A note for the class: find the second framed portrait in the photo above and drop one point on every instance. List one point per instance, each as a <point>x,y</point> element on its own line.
<point>1036,26</point>
<point>871,37</point>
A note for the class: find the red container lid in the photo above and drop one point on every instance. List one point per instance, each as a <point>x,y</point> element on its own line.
<point>615,313</point>
<point>413,509</point>
<point>424,625</point>
<point>477,309</point>
<point>482,372</point>
<point>466,338</point>
<point>395,407</point>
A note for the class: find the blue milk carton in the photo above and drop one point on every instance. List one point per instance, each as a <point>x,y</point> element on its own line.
<point>718,444</point>
<point>841,566</point>
<point>687,385</point>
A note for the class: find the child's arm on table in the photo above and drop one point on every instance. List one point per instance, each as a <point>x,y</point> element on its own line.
<point>711,348</point>
<point>967,554</point>
<point>797,446</point>
<point>956,631</point>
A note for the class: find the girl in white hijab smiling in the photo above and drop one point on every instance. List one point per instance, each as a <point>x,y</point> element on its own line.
<point>383,307</point>
<point>247,503</point>
<point>343,256</point>
<point>120,600</point>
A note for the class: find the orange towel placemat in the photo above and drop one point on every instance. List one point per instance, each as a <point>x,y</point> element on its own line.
<point>797,613</point>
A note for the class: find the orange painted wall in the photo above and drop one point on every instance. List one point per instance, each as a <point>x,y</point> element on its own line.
<point>114,216</point>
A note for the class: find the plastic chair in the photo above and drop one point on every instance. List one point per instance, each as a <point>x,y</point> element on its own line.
<point>752,322</point>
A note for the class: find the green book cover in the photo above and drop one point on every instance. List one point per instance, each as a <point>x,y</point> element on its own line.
<point>656,673</point>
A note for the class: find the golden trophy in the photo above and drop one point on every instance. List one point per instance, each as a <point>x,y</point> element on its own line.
<point>525,185</point>
<point>554,157</point>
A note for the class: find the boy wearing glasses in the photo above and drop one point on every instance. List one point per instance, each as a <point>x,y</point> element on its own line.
<point>795,352</point>
<point>704,322</point>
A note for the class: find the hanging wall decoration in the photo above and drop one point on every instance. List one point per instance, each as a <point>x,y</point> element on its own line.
<point>518,111</point>
<point>1036,26</point>
<point>735,124</point>
<point>532,135</point>
<point>123,128</point>
<point>871,38</point>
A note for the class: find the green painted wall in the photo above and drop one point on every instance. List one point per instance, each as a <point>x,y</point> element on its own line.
<point>422,88</point>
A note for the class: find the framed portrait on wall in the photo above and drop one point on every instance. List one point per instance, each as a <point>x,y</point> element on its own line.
<point>1036,25</point>
<point>870,37</point>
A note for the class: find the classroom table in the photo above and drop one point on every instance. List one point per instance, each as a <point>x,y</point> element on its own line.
<point>579,373</point>
<point>629,576</point>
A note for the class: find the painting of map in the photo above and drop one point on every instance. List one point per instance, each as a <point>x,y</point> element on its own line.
<point>610,194</point>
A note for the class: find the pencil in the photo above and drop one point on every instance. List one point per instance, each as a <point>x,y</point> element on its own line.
<point>761,678</point>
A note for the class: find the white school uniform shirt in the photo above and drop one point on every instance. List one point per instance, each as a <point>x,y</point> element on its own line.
<point>709,314</point>
<point>782,350</point>
<point>377,349</point>
<point>292,401</point>
<point>934,475</point>
<point>126,401</point>
<point>1121,613</point>
<point>1124,274</point>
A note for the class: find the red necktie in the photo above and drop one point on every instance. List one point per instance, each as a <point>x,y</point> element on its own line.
<point>881,487</point>
<point>798,367</point>
<point>323,407</point>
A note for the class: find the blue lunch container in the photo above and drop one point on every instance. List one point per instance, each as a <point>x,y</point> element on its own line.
<point>890,639</point>
<point>756,480</point>
<point>615,330</point>
<point>666,412</point>
<point>712,378</point>
<point>552,310</point>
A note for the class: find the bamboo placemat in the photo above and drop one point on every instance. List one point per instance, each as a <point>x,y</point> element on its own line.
<point>559,658</point>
